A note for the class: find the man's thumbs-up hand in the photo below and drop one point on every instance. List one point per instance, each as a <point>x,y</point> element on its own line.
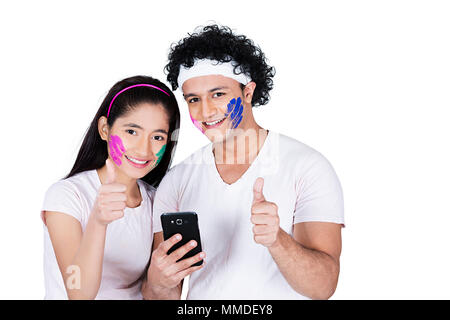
<point>111,198</point>
<point>264,217</point>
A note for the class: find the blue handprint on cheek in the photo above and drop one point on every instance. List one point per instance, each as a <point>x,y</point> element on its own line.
<point>234,109</point>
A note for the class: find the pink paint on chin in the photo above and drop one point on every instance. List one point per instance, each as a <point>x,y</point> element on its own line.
<point>116,149</point>
<point>197,124</point>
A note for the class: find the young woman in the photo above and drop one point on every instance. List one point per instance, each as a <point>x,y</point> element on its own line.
<point>98,219</point>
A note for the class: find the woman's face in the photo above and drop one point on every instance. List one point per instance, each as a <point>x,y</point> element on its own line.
<point>137,139</point>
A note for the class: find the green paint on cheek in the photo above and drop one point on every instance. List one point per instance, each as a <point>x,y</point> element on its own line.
<point>160,154</point>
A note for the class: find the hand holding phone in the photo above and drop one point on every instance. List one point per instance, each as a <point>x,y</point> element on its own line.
<point>177,256</point>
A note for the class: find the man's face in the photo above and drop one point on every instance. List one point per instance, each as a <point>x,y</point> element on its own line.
<point>215,104</point>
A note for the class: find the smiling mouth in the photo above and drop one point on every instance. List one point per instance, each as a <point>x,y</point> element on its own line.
<point>213,124</point>
<point>136,161</point>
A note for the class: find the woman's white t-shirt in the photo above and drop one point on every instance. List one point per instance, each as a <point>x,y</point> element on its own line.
<point>128,240</point>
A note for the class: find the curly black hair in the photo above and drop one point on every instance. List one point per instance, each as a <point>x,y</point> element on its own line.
<point>219,43</point>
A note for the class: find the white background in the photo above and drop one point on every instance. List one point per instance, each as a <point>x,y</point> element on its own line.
<point>364,82</point>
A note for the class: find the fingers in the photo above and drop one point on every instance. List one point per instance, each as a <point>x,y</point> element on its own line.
<point>186,263</point>
<point>171,259</point>
<point>117,205</point>
<point>264,229</point>
<point>164,271</point>
<point>117,214</point>
<point>264,219</point>
<point>264,216</point>
<point>110,171</point>
<point>258,190</point>
<point>264,207</point>
<point>184,273</point>
<point>112,195</point>
<point>165,246</point>
<point>265,239</point>
<point>111,199</point>
<point>110,211</point>
<point>180,252</point>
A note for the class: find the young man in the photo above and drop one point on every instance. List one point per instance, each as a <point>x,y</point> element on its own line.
<point>270,208</point>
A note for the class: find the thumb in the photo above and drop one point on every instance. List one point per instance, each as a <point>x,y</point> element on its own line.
<point>258,190</point>
<point>110,171</point>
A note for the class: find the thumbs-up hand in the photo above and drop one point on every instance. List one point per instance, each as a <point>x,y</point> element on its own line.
<point>264,217</point>
<point>111,198</point>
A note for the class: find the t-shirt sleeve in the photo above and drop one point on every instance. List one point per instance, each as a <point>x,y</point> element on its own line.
<point>319,193</point>
<point>166,200</point>
<point>62,197</point>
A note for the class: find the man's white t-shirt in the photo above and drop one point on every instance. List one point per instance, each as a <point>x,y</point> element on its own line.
<point>297,178</point>
<point>128,240</point>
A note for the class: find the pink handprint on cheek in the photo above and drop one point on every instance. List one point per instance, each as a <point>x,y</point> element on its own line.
<point>116,149</point>
<point>197,124</point>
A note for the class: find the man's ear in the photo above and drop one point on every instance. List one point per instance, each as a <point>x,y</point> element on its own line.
<point>248,92</point>
<point>103,128</point>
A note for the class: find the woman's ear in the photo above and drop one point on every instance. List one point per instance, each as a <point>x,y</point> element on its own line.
<point>248,92</point>
<point>103,128</point>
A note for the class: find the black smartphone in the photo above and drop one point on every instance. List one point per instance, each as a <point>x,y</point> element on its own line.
<point>186,224</point>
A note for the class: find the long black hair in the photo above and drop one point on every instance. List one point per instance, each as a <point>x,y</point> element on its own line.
<point>94,151</point>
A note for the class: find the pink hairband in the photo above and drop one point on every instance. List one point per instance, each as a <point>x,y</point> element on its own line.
<point>133,86</point>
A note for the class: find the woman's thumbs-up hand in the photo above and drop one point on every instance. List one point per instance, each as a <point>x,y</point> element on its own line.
<point>111,198</point>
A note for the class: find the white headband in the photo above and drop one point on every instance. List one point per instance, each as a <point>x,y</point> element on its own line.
<point>206,67</point>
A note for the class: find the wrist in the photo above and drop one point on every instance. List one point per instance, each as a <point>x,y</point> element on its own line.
<point>278,243</point>
<point>96,223</point>
<point>151,291</point>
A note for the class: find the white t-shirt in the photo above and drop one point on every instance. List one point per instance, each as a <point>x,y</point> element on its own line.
<point>128,240</point>
<point>297,178</point>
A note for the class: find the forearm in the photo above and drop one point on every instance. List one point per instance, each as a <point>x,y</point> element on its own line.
<point>309,272</point>
<point>150,292</point>
<point>89,260</point>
